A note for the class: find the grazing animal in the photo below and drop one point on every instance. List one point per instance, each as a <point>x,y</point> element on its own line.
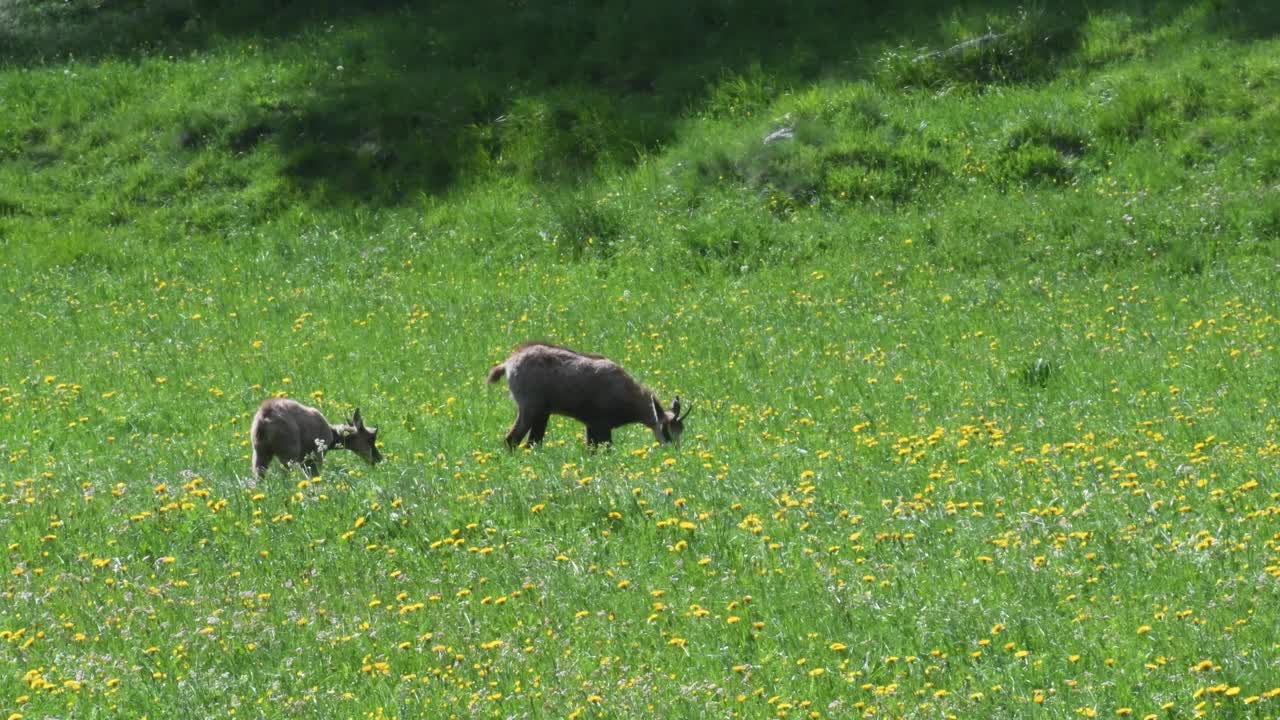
<point>295,433</point>
<point>548,380</point>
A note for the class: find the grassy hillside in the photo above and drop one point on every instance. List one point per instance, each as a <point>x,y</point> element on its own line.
<point>981,338</point>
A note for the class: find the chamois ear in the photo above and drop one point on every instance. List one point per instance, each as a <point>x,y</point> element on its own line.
<point>356,420</point>
<point>675,408</point>
<point>659,414</point>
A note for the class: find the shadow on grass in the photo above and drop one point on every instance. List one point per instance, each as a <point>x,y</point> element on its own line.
<point>424,94</point>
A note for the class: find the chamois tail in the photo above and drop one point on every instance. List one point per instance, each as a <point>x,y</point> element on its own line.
<point>496,372</point>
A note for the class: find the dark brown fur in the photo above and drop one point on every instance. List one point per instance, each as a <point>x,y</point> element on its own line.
<point>286,429</point>
<point>548,380</point>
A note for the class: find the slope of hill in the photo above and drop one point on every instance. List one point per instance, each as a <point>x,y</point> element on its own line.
<point>975,304</point>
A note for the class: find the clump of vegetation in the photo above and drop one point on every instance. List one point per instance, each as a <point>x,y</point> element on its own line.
<point>1037,372</point>
<point>1038,151</point>
<point>1022,46</point>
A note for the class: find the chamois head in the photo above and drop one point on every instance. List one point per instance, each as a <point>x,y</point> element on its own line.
<point>670,422</point>
<point>359,439</point>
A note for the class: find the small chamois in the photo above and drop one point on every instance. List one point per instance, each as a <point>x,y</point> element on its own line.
<point>548,380</point>
<point>295,433</point>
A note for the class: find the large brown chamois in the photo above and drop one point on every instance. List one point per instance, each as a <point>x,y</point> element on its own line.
<point>295,433</point>
<point>548,380</point>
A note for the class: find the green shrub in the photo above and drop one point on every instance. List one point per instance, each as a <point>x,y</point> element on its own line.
<point>1035,163</point>
<point>856,174</point>
<point>790,167</point>
<point>1041,151</point>
<point>584,224</point>
<point>740,94</point>
<point>1133,113</point>
<point>1038,372</point>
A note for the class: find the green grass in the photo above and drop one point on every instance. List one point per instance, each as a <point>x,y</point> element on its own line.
<point>983,360</point>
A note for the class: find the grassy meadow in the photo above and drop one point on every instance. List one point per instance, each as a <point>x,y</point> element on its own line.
<point>981,346</point>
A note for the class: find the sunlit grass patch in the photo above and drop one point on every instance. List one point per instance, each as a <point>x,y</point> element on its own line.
<point>983,373</point>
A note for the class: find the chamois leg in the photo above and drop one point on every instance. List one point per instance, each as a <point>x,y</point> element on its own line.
<point>261,459</point>
<point>538,428</point>
<point>518,429</point>
<point>597,434</point>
